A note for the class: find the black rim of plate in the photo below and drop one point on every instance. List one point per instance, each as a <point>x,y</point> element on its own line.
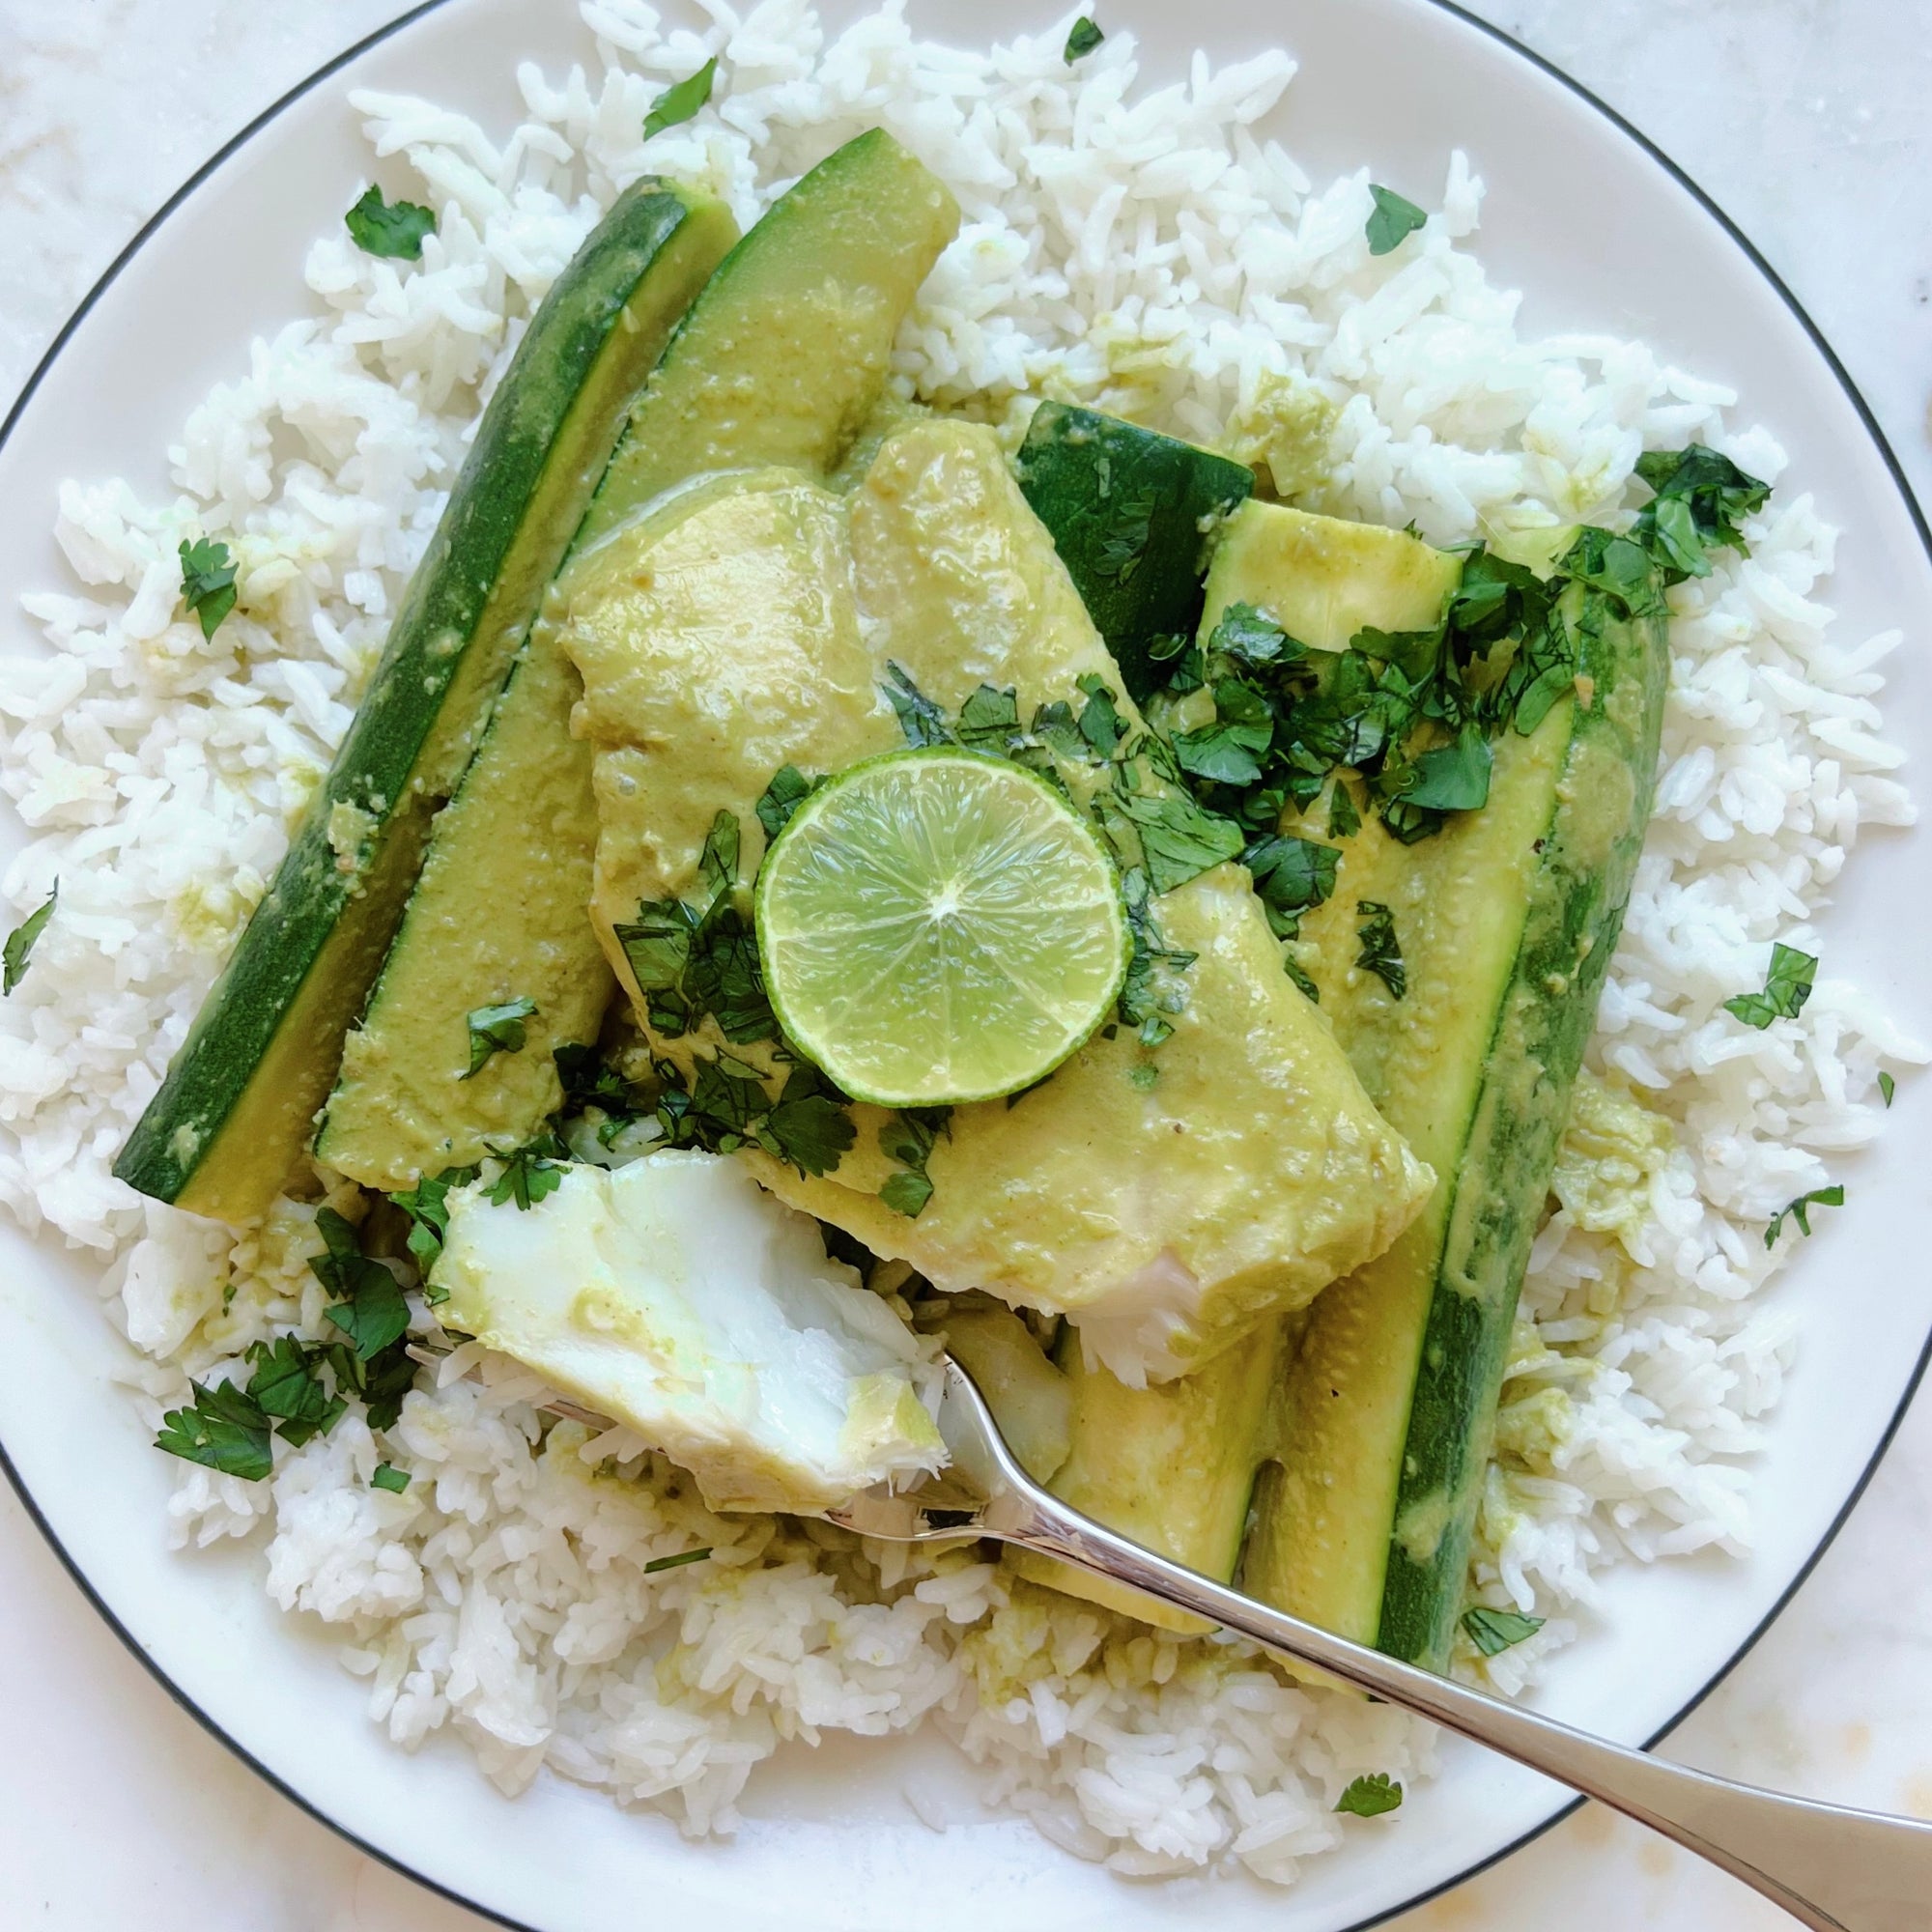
<point>1886,455</point>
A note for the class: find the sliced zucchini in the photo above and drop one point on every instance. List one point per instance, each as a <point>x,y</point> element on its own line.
<point>239,1103</point>
<point>1507,921</point>
<point>1174,1467</point>
<point>782,359</point>
<point>1131,513</point>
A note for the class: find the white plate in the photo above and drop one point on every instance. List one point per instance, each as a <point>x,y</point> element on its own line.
<point>1603,233</point>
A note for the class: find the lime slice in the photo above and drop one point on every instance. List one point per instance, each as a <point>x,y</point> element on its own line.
<point>936,926</point>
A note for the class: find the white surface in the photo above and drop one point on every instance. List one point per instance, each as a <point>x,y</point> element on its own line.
<point>112,1802</point>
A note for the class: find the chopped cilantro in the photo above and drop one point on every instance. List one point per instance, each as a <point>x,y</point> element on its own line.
<point>1081,40</point>
<point>727,1104</point>
<point>1099,725</point>
<point>1493,1632</point>
<point>21,941</point>
<point>1700,498</point>
<point>989,721</point>
<point>1393,221</point>
<point>1291,876</point>
<point>1370,1797</point>
<point>1345,818</point>
<point>1151,991</point>
<point>1380,952</point>
<point>208,581</point>
<point>1787,985</point>
<point>394,229</point>
<point>1145,1075</point>
<point>494,1030</point>
<point>677,1562</point>
<point>1886,1086</point>
<point>427,1205</point>
<point>1251,636</point>
<point>1799,1210</point>
<point>808,1129</point>
<point>909,1137</point>
<point>921,721</point>
<point>375,1312</point>
<point>681,100</point>
<point>225,1430</point>
<point>1230,751</point>
<point>528,1174</point>
<point>788,789</point>
<point>1179,838</point>
<point>388,1477</point>
<point>287,1387</point>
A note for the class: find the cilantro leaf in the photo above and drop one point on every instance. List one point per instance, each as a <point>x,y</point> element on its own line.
<point>677,1562</point>
<point>286,1385</point>
<point>1253,636</point>
<point>808,1129</point>
<point>494,1030</point>
<point>1493,1632</point>
<point>718,862</point>
<point>909,1137</point>
<point>1231,749</point>
<point>387,1477</point>
<point>208,581</point>
<point>989,721</point>
<point>1370,1797</point>
<point>1700,498</point>
<point>1787,985</point>
<point>921,721</point>
<point>1290,875</point>
<point>1345,819</point>
<point>681,100</point>
<point>427,1205</point>
<point>1886,1086</point>
<point>528,1173</point>
<point>1393,221</point>
<point>1099,725</point>
<point>21,941</point>
<point>1081,40</point>
<point>1799,1210</point>
<point>788,789</point>
<point>375,1313</point>
<point>1149,989</point>
<point>225,1430</point>
<point>1452,778</point>
<point>382,1381</point>
<point>394,229</point>
<point>1179,838</point>
<point>1380,954</point>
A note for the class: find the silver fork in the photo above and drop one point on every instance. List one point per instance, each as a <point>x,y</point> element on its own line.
<point>1833,1869</point>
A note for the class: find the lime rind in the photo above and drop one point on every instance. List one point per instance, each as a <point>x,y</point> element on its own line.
<point>938,927</point>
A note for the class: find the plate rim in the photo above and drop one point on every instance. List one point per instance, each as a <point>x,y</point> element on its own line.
<point>1915,512</point>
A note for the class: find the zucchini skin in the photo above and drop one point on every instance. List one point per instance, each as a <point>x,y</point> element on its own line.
<point>1082,472</point>
<point>231,1117</point>
<point>1572,921</point>
<point>1386,1418</point>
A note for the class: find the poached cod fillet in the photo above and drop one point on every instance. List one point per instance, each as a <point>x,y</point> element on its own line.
<point>751,623</point>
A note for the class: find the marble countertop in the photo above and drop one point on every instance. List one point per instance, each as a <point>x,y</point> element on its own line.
<point>1808,123</point>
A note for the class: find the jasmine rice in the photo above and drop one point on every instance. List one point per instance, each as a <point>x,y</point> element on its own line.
<point>1145,248</point>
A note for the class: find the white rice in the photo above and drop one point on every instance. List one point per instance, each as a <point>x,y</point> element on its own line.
<point>1146,248</point>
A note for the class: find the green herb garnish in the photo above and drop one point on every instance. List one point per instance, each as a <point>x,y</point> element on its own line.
<point>225,1430</point>
<point>1886,1086</point>
<point>1291,876</point>
<point>1082,38</point>
<point>1380,954</point>
<point>529,1173</point>
<point>208,581</point>
<point>921,721</point>
<point>288,1385</point>
<point>681,100</point>
<point>676,1562</point>
<point>1123,546</point>
<point>788,789</point>
<point>1493,1632</point>
<point>393,229</point>
<point>1370,1796</point>
<point>1345,819</point>
<point>909,1137</point>
<point>388,1477</point>
<point>1799,1210</point>
<point>21,941</point>
<point>1393,221</point>
<point>1700,501</point>
<point>427,1205</point>
<point>1787,985</point>
<point>494,1030</point>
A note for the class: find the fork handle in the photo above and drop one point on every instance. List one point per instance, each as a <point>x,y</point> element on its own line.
<point>1832,1870</point>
